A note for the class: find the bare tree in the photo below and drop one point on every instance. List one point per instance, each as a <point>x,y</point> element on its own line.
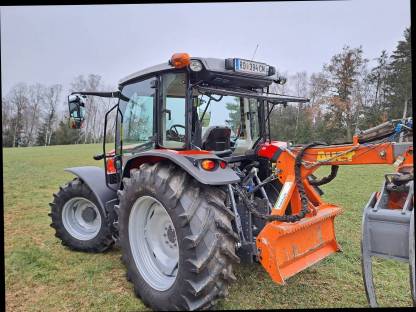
<point>299,82</point>
<point>6,121</point>
<point>18,99</point>
<point>36,100</point>
<point>91,83</point>
<point>104,105</point>
<point>51,101</point>
<point>318,90</point>
<point>345,75</point>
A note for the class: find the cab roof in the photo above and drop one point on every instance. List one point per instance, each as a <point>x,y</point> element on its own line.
<point>212,65</point>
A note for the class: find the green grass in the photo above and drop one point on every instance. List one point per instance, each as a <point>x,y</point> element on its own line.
<point>42,275</point>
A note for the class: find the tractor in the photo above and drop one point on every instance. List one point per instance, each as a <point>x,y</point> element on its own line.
<point>195,184</point>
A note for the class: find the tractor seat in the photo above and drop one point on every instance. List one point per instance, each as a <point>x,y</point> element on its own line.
<point>217,139</point>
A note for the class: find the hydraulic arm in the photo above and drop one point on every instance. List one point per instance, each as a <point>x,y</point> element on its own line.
<point>301,228</point>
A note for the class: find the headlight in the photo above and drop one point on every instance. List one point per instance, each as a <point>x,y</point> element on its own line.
<point>195,66</point>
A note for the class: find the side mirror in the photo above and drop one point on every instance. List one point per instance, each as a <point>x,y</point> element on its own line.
<point>76,105</point>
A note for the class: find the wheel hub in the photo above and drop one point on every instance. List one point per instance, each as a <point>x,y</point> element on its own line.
<point>89,214</point>
<point>81,218</point>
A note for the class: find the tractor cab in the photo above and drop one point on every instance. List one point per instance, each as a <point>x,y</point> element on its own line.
<point>170,105</point>
<point>191,103</point>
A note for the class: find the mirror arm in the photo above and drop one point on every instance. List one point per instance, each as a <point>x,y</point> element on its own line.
<point>116,94</point>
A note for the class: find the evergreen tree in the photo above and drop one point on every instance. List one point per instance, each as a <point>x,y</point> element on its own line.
<point>41,136</point>
<point>400,78</point>
<point>377,81</point>
<point>65,135</point>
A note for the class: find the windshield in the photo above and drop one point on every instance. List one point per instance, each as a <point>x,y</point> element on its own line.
<point>239,114</point>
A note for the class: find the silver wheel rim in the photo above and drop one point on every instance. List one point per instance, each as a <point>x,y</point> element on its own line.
<point>153,243</point>
<point>81,218</point>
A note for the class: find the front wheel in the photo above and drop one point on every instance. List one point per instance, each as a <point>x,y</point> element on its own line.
<point>78,220</point>
<point>176,237</point>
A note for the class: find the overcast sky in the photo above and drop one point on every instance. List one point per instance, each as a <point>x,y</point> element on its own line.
<point>53,44</point>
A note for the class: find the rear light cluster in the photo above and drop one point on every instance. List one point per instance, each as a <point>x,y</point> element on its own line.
<point>223,164</point>
<point>112,163</point>
<point>111,166</point>
<point>210,164</point>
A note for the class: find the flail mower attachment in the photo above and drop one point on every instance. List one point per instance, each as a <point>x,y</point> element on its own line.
<point>388,230</point>
<point>287,249</point>
<point>290,244</point>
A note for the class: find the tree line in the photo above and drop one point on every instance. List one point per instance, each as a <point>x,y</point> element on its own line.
<point>36,115</point>
<point>345,96</point>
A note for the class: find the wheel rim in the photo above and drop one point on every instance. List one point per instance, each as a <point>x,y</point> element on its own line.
<point>81,218</point>
<point>153,243</point>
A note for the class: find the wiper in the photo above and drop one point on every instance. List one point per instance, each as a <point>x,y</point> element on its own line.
<point>206,107</point>
<point>205,110</point>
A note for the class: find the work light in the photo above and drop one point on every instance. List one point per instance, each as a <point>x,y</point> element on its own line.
<point>195,66</point>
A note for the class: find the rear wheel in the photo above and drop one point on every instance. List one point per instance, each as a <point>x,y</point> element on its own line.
<point>78,220</point>
<point>176,237</point>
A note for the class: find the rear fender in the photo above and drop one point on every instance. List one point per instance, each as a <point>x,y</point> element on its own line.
<point>94,178</point>
<point>188,161</point>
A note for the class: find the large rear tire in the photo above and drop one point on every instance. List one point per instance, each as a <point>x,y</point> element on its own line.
<point>78,220</point>
<point>192,227</point>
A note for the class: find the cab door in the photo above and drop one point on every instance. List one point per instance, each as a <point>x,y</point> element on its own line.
<point>135,125</point>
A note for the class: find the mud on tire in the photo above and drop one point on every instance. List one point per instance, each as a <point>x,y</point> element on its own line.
<point>102,240</point>
<point>203,230</point>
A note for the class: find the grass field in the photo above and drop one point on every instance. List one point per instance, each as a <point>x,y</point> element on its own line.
<point>42,275</point>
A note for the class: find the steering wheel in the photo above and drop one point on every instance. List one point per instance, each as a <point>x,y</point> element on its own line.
<point>173,132</point>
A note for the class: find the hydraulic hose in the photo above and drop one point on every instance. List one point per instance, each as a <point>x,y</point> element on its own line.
<point>299,185</point>
<point>327,179</point>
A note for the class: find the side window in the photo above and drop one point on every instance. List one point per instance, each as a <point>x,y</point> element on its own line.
<point>173,110</point>
<point>137,113</point>
<point>254,119</point>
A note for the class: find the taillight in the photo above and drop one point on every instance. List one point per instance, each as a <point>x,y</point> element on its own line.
<point>111,166</point>
<point>208,164</point>
<point>223,164</point>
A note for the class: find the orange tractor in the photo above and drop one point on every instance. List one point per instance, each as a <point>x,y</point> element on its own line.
<point>195,184</point>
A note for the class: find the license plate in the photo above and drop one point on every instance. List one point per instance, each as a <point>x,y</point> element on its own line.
<point>251,67</point>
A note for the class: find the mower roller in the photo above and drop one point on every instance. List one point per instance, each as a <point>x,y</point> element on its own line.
<point>195,184</point>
